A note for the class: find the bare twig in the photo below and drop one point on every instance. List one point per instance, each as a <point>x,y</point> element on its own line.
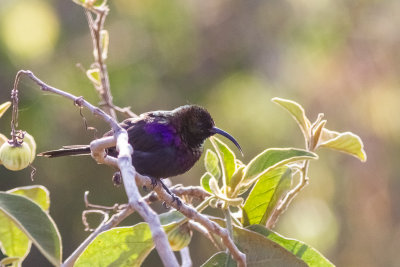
<point>114,221</point>
<point>201,229</point>
<point>96,26</point>
<point>192,214</point>
<point>86,212</point>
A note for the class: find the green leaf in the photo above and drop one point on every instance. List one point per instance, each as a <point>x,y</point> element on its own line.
<point>35,223</point>
<point>226,157</point>
<point>297,112</point>
<point>171,218</point>
<point>303,251</point>
<point>205,181</point>
<point>317,132</point>
<point>219,259</point>
<point>14,242</point>
<point>37,193</point>
<point>346,142</point>
<point>265,195</point>
<point>90,3</point>
<point>235,180</point>
<point>272,158</point>
<point>121,246</point>
<point>94,76</point>
<point>261,251</point>
<point>211,164</point>
<point>4,107</point>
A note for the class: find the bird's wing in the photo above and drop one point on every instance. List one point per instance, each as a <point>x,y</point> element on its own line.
<point>150,132</point>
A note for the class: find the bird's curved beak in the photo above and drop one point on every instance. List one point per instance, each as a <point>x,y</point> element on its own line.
<point>216,130</point>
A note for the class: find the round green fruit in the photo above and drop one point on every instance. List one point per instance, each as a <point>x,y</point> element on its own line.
<point>179,237</point>
<point>3,139</point>
<point>32,145</point>
<point>15,158</point>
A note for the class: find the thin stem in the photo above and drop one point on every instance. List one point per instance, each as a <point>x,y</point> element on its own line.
<point>228,219</point>
<point>284,204</point>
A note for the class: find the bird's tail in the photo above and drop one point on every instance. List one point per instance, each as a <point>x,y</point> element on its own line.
<point>76,150</point>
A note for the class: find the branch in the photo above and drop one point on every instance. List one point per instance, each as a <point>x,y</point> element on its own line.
<point>125,165</point>
<point>186,259</point>
<point>192,214</point>
<point>117,218</point>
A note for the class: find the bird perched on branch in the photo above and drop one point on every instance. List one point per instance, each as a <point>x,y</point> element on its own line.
<point>165,143</point>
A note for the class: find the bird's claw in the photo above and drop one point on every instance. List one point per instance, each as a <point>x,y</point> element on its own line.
<point>153,182</point>
<point>174,198</point>
<point>117,179</point>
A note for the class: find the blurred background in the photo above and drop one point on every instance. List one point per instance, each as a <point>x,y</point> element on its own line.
<point>341,58</point>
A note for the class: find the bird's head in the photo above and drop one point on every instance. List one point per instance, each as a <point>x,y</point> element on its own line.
<point>197,125</point>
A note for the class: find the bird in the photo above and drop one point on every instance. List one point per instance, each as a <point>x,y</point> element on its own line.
<point>165,143</point>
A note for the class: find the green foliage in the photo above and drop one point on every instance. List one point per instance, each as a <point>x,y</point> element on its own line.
<point>270,159</point>
<point>303,251</point>
<point>345,142</point>
<point>297,112</point>
<point>219,259</point>
<point>211,164</point>
<point>268,177</point>
<point>4,107</point>
<point>227,158</point>
<point>271,174</point>
<point>91,3</point>
<point>121,246</point>
<point>23,220</point>
<point>265,195</point>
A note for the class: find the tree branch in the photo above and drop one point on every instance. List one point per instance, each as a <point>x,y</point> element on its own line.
<point>125,165</point>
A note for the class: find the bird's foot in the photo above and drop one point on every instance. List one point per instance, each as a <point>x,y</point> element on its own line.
<point>117,179</point>
<point>174,198</point>
<point>154,183</point>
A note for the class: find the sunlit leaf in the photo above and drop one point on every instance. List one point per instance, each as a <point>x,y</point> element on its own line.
<point>90,3</point>
<point>205,181</point>
<point>37,193</point>
<point>317,132</point>
<point>94,76</point>
<point>219,259</point>
<point>13,241</point>
<point>265,195</point>
<point>4,107</point>
<point>211,164</point>
<point>272,158</point>
<point>297,112</point>
<point>235,180</point>
<point>261,251</point>
<point>171,217</point>
<point>121,246</point>
<point>346,142</point>
<point>303,251</point>
<point>35,223</point>
<point>227,159</point>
